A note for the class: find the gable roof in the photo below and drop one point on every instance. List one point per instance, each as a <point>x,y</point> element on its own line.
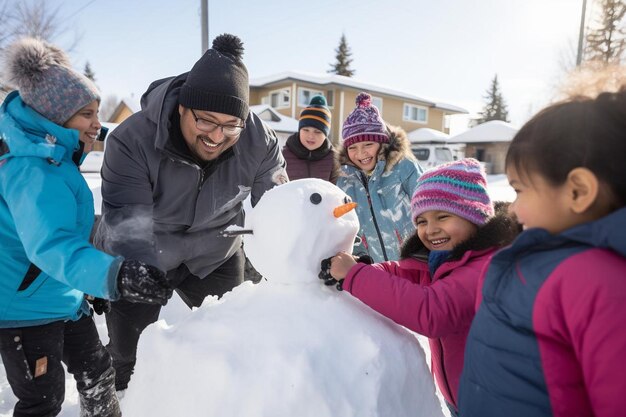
<point>492,131</point>
<point>278,122</point>
<point>333,79</point>
<point>427,135</point>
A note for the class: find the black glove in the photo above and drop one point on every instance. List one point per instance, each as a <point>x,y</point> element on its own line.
<point>99,305</point>
<point>329,280</point>
<point>139,282</point>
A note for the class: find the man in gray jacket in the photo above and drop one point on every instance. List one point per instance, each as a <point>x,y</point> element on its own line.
<point>174,176</point>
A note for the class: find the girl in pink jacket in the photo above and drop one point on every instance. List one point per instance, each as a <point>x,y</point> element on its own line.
<point>432,289</point>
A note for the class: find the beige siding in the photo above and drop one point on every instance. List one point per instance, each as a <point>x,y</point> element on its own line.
<point>494,154</point>
<point>392,111</point>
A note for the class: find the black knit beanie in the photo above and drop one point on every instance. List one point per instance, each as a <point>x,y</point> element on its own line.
<point>218,82</point>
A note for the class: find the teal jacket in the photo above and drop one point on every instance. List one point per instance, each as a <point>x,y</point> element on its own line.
<point>384,198</point>
<point>46,215</point>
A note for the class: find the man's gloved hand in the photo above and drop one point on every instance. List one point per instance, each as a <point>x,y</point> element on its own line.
<point>139,282</point>
<point>99,305</point>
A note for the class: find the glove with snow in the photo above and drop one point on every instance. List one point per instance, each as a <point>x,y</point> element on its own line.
<point>99,305</point>
<point>139,282</point>
<point>328,278</point>
<point>324,274</point>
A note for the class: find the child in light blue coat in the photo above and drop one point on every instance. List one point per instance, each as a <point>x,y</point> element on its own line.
<point>380,174</point>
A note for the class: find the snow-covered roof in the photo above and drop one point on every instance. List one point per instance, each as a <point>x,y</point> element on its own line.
<point>132,103</point>
<point>427,135</point>
<point>326,79</point>
<point>278,122</point>
<point>492,131</point>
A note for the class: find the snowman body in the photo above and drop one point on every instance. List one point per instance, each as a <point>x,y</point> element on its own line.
<point>287,346</point>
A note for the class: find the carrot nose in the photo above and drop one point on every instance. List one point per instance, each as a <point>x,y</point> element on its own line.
<point>343,209</point>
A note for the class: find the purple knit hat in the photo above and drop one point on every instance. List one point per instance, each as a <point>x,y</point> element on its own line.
<point>364,124</point>
<point>458,187</point>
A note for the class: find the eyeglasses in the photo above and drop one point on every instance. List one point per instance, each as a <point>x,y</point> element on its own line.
<point>209,126</point>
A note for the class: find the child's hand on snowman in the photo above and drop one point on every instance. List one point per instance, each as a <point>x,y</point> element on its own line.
<point>340,264</point>
<point>334,269</point>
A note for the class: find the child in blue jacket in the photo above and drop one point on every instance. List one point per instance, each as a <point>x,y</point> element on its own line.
<point>379,173</point>
<point>47,263</point>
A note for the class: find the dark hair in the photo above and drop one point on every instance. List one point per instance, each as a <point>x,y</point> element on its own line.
<point>580,132</point>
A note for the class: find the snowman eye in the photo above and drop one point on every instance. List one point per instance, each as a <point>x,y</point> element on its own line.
<point>347,200</point>
<point>316,198</point>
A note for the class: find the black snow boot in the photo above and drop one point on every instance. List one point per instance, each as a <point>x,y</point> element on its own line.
<point>99,398</point>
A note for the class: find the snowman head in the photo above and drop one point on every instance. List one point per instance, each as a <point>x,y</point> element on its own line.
<point>296,225</point>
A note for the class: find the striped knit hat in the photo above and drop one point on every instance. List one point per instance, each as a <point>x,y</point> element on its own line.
<point>364,124</point>
<point>458,187</point>
<point>316,115</point>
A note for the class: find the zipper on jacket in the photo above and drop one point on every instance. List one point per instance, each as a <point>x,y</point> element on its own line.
<point>201,179</point>
<point>369,200</point>
<point>308,165</point>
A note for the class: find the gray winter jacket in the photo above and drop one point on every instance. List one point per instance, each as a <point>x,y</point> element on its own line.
<point>160,206</point>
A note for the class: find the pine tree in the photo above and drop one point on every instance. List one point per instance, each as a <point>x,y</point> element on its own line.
<point>607,42</point>
<point>495,108</point>
<point>88,72</point>
<point>342,66</point>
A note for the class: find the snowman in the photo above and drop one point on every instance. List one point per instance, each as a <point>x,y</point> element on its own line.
<point>288,346</point>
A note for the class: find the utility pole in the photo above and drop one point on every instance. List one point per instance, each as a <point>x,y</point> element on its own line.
<point>581,35</point>
<point>204,12</point>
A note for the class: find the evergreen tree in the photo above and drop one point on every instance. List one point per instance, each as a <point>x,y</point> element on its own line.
<point>88,72</point>
<point>607,42</point>
<point>342,65</point>
<point>495,108</point>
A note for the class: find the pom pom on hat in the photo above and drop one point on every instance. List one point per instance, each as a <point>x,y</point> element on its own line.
<point>364,124</point>
<point>458,187</point>
<point>218,81</point>
<point>45,80</point>
<point>316,115</point>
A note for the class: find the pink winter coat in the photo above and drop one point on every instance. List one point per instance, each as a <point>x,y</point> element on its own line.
<point>440,307</point>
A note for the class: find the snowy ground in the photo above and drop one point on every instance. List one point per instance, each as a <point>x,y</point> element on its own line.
<point>176,311</point>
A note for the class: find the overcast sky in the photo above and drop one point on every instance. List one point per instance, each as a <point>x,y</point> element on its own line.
<point>447,50</point>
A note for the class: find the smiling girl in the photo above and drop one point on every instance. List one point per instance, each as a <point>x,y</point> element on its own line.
<point>432,289</point>
<point>379,173</point>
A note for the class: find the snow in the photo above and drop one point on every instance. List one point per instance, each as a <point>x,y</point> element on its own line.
<point>492,131</point>
<point>282,347</point>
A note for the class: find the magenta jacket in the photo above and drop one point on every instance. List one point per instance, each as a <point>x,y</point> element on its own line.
<point>549,336</point>
<point>440,307</point>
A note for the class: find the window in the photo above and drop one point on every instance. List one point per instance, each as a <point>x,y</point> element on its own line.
<point>378,102</point>
<point>414,113</point>
<point>305,95</point>
<point>278,98</point>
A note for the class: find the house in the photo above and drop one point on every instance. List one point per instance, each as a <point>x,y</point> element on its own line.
<point>290,92</point>
<point>284,126</point>
<point>125,108</point>
<point>488,142</point>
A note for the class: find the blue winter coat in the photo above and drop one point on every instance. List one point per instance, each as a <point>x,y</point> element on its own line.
<point>384,199</point>
<point>46,215</point>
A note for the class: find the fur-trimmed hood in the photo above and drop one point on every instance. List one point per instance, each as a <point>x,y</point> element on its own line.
<point>397,149</point>
<point>498,232</point>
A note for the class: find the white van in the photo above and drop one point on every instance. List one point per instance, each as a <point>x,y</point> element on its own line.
<point>431,155</point>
